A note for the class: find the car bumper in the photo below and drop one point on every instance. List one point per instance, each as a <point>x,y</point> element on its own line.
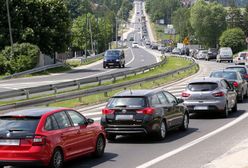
<point>26,163</point>
<point>213,106</point>
<point>111,63</point>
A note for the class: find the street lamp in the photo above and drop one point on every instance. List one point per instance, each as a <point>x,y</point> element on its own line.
<point>9,22</point>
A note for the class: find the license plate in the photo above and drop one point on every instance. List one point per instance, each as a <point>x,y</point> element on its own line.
<point>124,117</point>
<point>9,142</point>
<point>111,63</point>
<point>201,108</point>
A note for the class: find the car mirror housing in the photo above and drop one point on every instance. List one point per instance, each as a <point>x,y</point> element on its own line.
<point>179,100</point>
<point>90,121</point>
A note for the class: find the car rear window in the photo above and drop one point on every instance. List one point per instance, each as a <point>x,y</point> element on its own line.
<point>129,102</point>
<point>225,75</point>
<point>12,124</point>
<point>202,86</point>
<point>238,69</point>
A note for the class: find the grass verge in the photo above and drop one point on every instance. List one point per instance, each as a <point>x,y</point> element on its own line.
<point>158,30</point>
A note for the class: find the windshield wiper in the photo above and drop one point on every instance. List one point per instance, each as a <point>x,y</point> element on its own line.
<point>121,106</point>
<point>15,129</point>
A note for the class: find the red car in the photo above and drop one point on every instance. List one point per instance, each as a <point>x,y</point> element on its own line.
<point>48,137</point>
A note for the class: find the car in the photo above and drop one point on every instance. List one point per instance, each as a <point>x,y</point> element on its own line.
<point>154,46</point>
<point>114,57</point>
<point>212,54</point>
<point>242,69</point>
<point>135,44</point>
<point>234,78</point>
<point>131,39</point>
<point>241,59</point>
<point>202,54</point>
<point>148,42</point>
<point>207,94</point>
<point>148,112</point>
<point>161,48</point>
<point>48,136</point>
<point>176,51</point>
<point>225,54</point>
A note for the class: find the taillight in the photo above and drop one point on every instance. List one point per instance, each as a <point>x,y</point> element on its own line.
<point>235,84</point>
<point>106,111</point>
<point>147,110</point>
<point>39,141</point>
<point>185,94</point>
<point>218,94</point>
<point>246,76</point>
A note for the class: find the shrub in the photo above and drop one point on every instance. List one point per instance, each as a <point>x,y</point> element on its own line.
<point>234,38</point>
<point>24,57</point>
<point>2,64</point>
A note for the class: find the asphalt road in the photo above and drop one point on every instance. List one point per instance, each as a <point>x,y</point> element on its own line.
<point>208,137</point>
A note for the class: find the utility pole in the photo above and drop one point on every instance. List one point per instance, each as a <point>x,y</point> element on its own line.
<point>91,39</point>
<point>86,25</point>
<point>10,29</point>
<point>116,28</point>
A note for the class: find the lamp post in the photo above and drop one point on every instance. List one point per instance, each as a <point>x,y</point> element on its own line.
<point>9,23</point>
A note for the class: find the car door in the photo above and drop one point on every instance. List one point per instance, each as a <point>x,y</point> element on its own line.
<point>231,95</point>
<point>168,109</point>
<point>156,104</point>
<point>243,83</point>
<point>177,109</point>
<point>84,139</point>
<point>68,133</point>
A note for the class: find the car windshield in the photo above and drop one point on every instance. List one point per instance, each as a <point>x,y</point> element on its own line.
<point>242,55</point>
<point>25,124</point>
<point>112,54</point>
<point>224,74</point>
<point>129,102</point>
<point>202,86</point>
<point>238,69</point>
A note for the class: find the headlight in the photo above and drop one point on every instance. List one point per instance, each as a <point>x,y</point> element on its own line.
<point>117,60</point>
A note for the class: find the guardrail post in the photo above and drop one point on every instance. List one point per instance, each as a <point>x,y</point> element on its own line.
<point>78,84</point>
<point>80,99</point>
<point>55,89</point>
<point>99,81</point>
<point>105,94</point>
<point>114,80</point>
<point>140,84</point>
<point>27,93</point>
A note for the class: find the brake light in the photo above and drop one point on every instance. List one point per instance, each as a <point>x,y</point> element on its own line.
<point>218,94</point>
<point>185,94</point>
<point>147,110</point>
<point>106,111</point>
<point>246,76</point>
<point>39,141</point>
<point>235,84</point>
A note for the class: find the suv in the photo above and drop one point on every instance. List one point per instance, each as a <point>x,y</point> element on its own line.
<point>212,54</point>
<point>143,112</point>
<point>210,94</point>
<point>47,137</point>
<point>114,57</point>
<point>225,54</point>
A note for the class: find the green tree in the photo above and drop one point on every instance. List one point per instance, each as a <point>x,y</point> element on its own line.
<point>181,22</point>
<point>79,7</point>
<point>234,38</point>
<point>245,26</point>
<point>234,17</point>
<point>208,22</point>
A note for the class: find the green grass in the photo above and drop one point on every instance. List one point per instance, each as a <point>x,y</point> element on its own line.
<point>158,30</point>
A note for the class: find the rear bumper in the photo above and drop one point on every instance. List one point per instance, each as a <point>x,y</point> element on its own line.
<point>211,106</point>
<point>26,163</point>
<point>125,129</point>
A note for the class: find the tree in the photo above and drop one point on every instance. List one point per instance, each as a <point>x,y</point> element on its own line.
<point>208,22</point>
<point>245,26</point>
<point>79,7</point>
<point>181,22</point>
<point>234,17</point>
<point>234,38</point>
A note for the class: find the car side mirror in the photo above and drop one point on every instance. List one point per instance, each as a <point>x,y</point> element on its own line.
<point>90,121</point>
<point>179,100</point>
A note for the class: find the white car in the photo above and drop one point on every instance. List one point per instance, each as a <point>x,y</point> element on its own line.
<point>241,59</point>
<point>225,54</point>
<point>202,54</point>
<point>135,44</point>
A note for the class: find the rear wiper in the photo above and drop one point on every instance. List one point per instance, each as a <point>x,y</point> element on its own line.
<point>15,129</point>
<point>121,106</point>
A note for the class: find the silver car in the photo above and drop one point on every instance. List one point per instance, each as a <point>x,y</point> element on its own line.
<point>210,94</point>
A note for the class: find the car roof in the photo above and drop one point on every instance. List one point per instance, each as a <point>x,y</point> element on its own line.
<point>34,112</point>
<point>134,93</point>
<point>226,70</point>
<point>206,79</point>
<point>237,66</point>
<point>114,50</point>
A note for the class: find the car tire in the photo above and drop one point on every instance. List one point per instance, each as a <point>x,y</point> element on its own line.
<point>104,66</point>
<point>241,98</point>
<point>225,112</point>
<point>162,130</point>
<point>57,159</point>
<point>120,65</point>
<point>100,146</point>
<point>185,122</point>
<point>235,107</point>
<point>123,66</point>
<point>111,137</point>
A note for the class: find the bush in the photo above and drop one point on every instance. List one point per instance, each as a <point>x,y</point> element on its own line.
<point>2,64</point>
<point>25,56</point>
<point>73,62</point>
<point>234,38</point>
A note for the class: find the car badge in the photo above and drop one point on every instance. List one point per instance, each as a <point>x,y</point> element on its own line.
<point>8,134</point>
<point>124,111</point>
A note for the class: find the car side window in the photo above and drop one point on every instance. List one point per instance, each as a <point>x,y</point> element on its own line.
<point>226,85</point>
<point>77,119</point>
<point>154,100</point>
<point>51,123</point>
<point>62,120</point>
<point>223,84</point>
<point>162,98</point>
<point>170,98</point>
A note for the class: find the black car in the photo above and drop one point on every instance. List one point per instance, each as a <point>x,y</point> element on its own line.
<point>149,112</point>
<point>114,57</point>
<point>242,69</point>
<point>212,53</point>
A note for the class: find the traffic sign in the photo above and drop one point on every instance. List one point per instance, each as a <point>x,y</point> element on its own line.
<point>186,41</point>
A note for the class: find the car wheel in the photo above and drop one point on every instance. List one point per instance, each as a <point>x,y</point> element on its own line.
<point>111,137</point>
<point>57,159</point>
<point>104,66</point>
<point>100,146</point>
<point>120,65</point>
<point>185,122</point>
<point>235,107</point>
<point>225,113</point>
<point>162,130</point>
<point>123,66</point>
<point>246,94</point>
<point>241,98</point>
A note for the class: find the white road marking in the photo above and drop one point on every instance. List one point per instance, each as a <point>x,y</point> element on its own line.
<point>192,143</point>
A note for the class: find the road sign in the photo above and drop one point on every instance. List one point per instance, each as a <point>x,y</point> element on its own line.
<point>186,41</point>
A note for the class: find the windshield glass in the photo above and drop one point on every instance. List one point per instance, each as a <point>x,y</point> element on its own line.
<point>202,86</point>
<point>238,69</point>
<point>225,74</point>
<point>112,54</point>
<point>131,102</point>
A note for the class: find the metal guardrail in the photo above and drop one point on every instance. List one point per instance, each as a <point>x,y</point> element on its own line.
<point>82,93</point>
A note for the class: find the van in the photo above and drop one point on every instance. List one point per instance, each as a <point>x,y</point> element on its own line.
<point>114,57</point>
<point>225,54</point>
